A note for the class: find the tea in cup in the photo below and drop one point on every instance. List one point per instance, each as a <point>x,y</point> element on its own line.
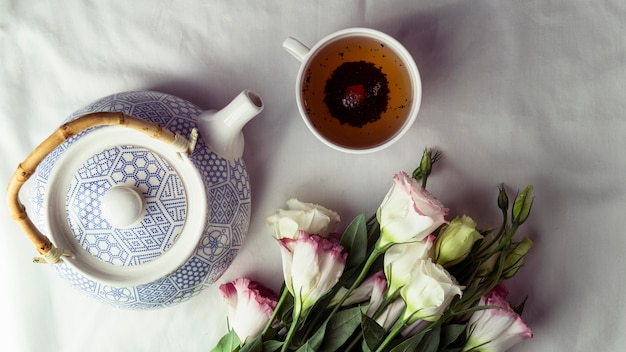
<point>358,90</point>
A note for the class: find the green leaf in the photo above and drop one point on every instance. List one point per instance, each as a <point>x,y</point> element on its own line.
<point>272,345</point>
<point>519,309</point>
<point>272,332</point>
<point>451,333</point>
<point>306,348</point>
<point>254,345</point>
<point>285,313</point>
<point>373,333</point>
<point>340,327</point>
<point>410,344</point>
<point>354,241</point>
<point>421,341</point>
<point>315,341</point>
<point>228,343</point>
<point>430,342</point>
<point>365,347</point>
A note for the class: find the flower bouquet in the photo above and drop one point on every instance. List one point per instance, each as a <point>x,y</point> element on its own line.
<point>405,279</point>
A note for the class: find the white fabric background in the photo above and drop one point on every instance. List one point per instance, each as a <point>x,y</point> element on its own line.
<point>514,91</point>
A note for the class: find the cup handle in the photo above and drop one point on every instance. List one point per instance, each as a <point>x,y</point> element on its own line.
<point>296,48</point>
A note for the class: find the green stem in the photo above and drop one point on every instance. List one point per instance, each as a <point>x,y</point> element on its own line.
<point>495,277</point>
<point>505,220</point>
<point>511,232</point>
<point>371,229</point>
<point>362,275</point>
<point>386,302</point>
<point>390,336</point>
<point>279,304</point>
<point>357,338</point>
<point>376,252</point>
<point>371,219</point>
<point>498,275</point>
<point>292,328</point>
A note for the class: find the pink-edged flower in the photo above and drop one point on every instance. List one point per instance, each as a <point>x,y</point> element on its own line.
<point>429,292</point>
<point>300,216</point>
<point>379,287</point>
<point>250,306</point>
<point>401,259</point>
<point>408,212</point>
<point>495,329</point>
<point>312,265</point>
<point>372,290</point>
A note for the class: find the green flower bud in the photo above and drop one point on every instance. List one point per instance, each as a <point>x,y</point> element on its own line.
<point>522,205</point>
<point>426,165</point>
<point>489,246</point>
<point>455,241</point>
<point>515,260</point>
<point>503,199</point>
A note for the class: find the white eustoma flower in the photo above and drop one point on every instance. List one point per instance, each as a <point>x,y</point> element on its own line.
<point>408,212</point>
<point>400,260</point>
<point>250,306</point>
<point>312,265</point>
<point>308,217</point>
<point>429,292</point>
<point>495,329</point>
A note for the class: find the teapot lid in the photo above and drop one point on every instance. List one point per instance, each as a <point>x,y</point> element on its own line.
<point>129,208</point>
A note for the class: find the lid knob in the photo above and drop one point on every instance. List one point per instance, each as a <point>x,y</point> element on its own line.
<point>122,206</point>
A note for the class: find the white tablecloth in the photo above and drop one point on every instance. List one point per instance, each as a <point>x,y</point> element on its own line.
<point>520,92</point>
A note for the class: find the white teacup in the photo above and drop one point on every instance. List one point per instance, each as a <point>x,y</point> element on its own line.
<point>358,89</point>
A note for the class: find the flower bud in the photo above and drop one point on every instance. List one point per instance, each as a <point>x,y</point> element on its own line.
<point>455,241</point>
<point>426,165</point>
<point>515,260</point>
<point>522,205</point>
<point>489,245</point>
<point>503,199</point>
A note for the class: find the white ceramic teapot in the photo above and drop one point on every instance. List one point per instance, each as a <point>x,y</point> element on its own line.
<point>131,205</point>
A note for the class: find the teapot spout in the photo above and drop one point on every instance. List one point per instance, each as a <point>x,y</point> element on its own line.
<point>222,129</point>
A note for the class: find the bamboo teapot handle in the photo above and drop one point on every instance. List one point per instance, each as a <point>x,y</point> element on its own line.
<point>25,169</point>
